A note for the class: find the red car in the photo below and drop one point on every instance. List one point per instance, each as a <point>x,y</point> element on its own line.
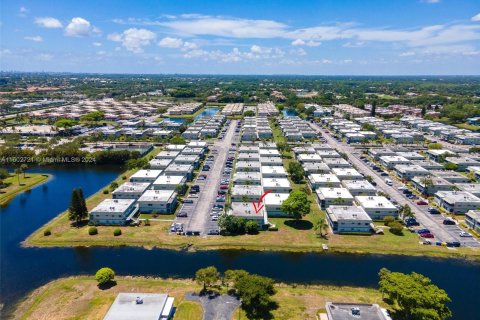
<point>223,187</point>
<point>422,203</point>
<point>426,235</point>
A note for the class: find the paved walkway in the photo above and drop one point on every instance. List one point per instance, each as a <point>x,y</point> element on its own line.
<point>215,307</point>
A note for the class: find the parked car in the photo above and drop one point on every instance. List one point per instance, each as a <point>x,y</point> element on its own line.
<point>222,192</point>
<point>426,235</point>
<point>455,244</point>
<point>420,231</point>
<point>411,222</point>
<point>432,210</point>
<point>388,182</point>
<point>188,201</point>
<point>384,174</point>
<point>218,206</point>
<point>465,234</point>
<point>182,214</point>
<point>213,232</point>
<point>224,186</point>
<point>449,221</point>
<point>422,203</point>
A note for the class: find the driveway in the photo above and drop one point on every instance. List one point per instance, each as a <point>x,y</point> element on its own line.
<point>215,307</point>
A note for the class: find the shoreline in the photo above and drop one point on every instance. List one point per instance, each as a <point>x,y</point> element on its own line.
<point>26,188</point>
<point>191,247</point>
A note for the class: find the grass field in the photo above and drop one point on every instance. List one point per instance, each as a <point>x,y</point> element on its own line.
<point>80,298</point>
<point>467,126</point>
<point>17,184</point>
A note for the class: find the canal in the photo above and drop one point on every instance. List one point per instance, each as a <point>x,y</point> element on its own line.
<point>24,269</point>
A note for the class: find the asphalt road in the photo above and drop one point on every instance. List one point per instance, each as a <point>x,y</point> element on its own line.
<point>199,212</point>
<point>215,307</point>
<point>432,222</point>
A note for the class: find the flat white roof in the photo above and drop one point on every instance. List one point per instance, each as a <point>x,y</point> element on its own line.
<point>133,187</point>
<point>167,179</point>
<point>275,199</point>
<point>275,182</point>
<point>394,159</point>
<point>152,307</point>
<point>348,213</point>
<point>457,196</point>
<point>373,202</point>
<point>153,174</point>
<point>334,193</point>
<point>157,196</point>
<point>247,190</point>
<point>255,176</point>
<point>357,185</point>
<point>114,205</point>
<point>323,178</point>
<point>273,169</point>
<point>346,172</point>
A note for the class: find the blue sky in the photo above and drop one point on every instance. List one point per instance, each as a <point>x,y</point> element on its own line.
<point>323,37</point>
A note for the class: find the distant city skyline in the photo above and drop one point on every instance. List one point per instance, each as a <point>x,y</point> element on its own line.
<point>411,37</point>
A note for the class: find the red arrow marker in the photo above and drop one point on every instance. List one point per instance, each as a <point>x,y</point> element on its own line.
<point>259,206</point>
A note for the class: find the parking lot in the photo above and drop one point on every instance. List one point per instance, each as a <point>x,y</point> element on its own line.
<point>432,222</point>
<point>203,207</point>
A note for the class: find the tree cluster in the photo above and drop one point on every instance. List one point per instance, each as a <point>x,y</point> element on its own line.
<point>296,205</point>
<point>415,296</point>
<point>254,291</point>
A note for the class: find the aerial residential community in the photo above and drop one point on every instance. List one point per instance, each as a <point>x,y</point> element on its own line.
<point>162,161</point>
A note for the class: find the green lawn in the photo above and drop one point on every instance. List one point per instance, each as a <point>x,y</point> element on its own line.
<point>189,310</point>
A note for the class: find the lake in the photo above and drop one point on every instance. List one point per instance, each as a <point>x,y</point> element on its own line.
<point>208,112</point>
<point>24,269</point>
<point>289,112</point>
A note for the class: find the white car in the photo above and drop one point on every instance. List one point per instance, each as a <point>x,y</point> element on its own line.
<point>465,234</point>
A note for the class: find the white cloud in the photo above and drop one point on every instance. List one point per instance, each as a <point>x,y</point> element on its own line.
<point>356,44</point>
<point>169,42</point>
<point>48,22</point>
<point>298,42</point>
<point>97,44</point>
<point>22,12</point>
<point>34,38</point>
<point>189,45</point>
<point>476,17</point>
<point>407,54</point>
<point>301,52</point>
<point>236,55</point>
<point>133,39</point>
<point>194,24</point>
<point>312,43</point>
<point>256,49</point>
<point>44,57</point>
<point>80,27</point>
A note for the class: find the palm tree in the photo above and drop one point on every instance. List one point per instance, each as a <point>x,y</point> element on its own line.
<point>24,168</point>
<point>18,172</point>
<point>320,226</point>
